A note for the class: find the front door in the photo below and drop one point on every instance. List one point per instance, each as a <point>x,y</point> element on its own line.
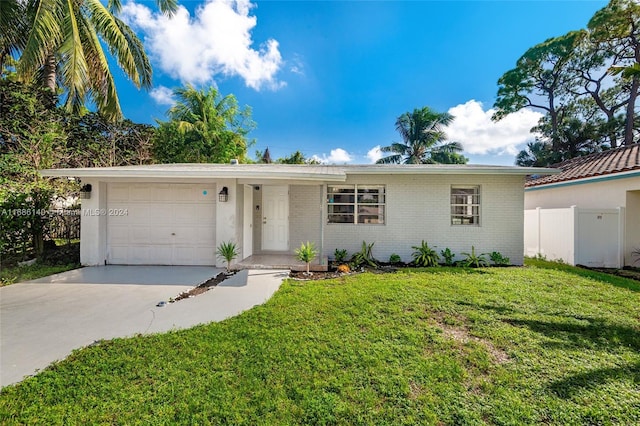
<point>247,240</point>
<point>275,218</point>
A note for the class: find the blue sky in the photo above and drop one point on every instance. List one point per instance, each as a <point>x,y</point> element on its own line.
<point>329,78</point>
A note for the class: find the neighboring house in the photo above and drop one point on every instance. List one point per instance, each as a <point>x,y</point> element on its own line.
<point>589,213</point>
<point>176,214</point>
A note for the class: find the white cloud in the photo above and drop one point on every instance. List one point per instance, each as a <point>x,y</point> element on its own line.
<point>476,132</point>
<point>374,154</point>
<point>296,65</point>
<point>215,40</point>
<point>162,95</point>
<point>336,156</point>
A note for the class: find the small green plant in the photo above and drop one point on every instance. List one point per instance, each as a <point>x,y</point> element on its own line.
<point>394,258</point>
<point>306,253</point>
<point>540,256</point>
<point>498,259</point>
<point>424,255</point>
<point>364,257</point>
<point>227,251</point>
<point>340,255</point>
<point>448,256</point>
<point>475,261</point>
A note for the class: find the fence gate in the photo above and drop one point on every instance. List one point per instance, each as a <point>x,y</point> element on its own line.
<point>589,237</point>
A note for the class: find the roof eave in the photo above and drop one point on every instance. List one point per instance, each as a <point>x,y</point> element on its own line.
<point>523,171</point>
<point>189,174</point>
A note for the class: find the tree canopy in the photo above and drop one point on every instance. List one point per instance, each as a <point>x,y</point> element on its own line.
<point>585,82</point>
<point>423,140</point>
<point>203,127</point>
<point>61,42</point>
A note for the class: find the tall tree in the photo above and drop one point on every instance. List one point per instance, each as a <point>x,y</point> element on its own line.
<point>617,28</point>
<point>62,41</point>
<point>540,80</point>
<point>423,140</point>
<point>203,127</point>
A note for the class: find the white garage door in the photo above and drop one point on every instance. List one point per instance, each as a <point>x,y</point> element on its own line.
<point>161,224</point>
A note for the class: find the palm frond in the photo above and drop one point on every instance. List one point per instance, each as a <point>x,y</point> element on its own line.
<point>44,38</point>
<point>101,82</point>
<point>108,28</point>
<point>13,22</point>
<point>72,59</point>
<point>391,159</point>
<point>145,71</point>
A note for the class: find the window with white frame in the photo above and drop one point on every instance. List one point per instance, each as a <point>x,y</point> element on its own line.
<point>357,204</point>
<point>465,205</point>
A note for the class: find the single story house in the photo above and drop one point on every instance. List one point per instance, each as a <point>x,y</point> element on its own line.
<point>589,213</point>
<point>177,214</point>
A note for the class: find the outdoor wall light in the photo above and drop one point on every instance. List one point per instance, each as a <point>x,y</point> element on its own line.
<point>223,195</point>
<point>85,192</point>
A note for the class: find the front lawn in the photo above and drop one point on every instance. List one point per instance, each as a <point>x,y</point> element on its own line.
<point>544,344</point>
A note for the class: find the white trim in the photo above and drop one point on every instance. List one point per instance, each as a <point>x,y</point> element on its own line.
<point>280,171</point>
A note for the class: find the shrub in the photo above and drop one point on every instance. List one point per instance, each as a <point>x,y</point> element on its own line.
<point>448,256</point>
<point>394,258</point>
<point>340,255</point>
<point>306,253</point>
<point>498,259</point>
<point>475,261</point>
<point>364,257</point>
<point>228,251</point>
<point>424,255</point>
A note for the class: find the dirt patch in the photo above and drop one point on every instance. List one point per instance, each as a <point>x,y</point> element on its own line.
<point>204,287</point>
<point>461,334</point>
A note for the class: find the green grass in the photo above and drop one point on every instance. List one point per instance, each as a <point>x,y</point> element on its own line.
<point>546,344</point>
<point>15,274</point>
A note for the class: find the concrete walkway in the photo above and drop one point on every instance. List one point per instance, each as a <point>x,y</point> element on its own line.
<point>42,321</point>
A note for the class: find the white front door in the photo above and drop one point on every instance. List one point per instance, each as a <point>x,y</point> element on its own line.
<point>275,218</point>
<point>247,233</point>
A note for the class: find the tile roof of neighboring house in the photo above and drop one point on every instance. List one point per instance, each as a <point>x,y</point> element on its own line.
<point>618,160</point>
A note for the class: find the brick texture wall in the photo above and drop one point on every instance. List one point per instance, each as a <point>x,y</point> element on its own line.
<point>418,208</point>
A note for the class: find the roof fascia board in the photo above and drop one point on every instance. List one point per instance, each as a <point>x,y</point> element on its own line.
<point>191,174</point>
<point>453,171</point>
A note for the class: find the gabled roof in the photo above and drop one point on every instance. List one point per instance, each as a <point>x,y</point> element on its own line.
<point>617,160</point>
<point>282,171</point>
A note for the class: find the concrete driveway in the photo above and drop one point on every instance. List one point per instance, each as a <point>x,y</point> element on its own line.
<point>42,321</point>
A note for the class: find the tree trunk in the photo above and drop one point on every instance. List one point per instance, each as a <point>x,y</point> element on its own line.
<point>49,73</point>
<point>628,128</point>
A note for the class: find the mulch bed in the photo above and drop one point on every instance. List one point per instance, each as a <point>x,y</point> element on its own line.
<point>626,272</point>
<point>301,275</point>
<point>204,287</point>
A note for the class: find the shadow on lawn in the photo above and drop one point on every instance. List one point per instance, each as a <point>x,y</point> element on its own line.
<point>616,281</point>
<point>596,334</point>
<point>591,379</point>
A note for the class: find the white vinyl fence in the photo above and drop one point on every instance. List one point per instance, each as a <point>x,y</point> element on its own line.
<point>577,236</point>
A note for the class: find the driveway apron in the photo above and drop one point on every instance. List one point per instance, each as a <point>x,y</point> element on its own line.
<point>42,321</point>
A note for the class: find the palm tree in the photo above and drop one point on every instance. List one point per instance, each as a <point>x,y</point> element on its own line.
<point>213,128</point>
<point>63,43</point>
<point>423,140</point>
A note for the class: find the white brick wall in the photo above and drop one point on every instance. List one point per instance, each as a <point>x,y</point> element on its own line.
<point>305,215</point>
<point>417,208</point>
